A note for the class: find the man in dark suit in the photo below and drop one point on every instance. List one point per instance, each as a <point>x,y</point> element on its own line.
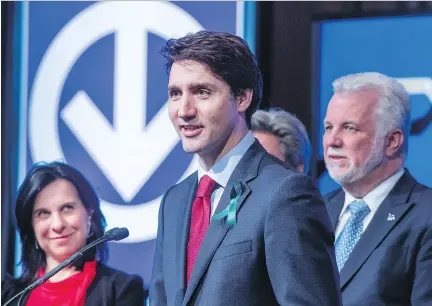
<point>382,217</point>
<point>245,229</point>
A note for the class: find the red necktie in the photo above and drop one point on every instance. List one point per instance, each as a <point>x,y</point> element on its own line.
<point>200,218</point>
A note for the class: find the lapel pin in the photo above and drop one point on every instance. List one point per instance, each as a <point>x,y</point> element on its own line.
<point>391,217</point>
<point>230,212</point>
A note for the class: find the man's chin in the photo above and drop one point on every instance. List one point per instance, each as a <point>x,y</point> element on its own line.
<point>341,177</point>
<point>191,148</point>
<point>336,169</point>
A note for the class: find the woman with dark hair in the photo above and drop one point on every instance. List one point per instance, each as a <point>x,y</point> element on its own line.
<point>58,213</point>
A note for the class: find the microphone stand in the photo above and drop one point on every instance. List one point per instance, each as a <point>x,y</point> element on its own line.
<point>110,235</point>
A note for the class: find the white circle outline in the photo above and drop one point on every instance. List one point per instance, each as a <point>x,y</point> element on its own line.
<point>87,27</point>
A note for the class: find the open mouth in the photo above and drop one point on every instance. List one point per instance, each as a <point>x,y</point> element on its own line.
<point>191,130</point>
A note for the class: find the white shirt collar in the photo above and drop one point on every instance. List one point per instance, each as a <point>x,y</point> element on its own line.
<point>375,197</point>
<point>224,167</point>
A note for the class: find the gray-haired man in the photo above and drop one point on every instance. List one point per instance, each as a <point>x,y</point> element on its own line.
<point>284,136</point>
<point>382,215</point>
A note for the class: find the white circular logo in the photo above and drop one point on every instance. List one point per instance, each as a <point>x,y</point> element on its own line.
<point>127,152</point>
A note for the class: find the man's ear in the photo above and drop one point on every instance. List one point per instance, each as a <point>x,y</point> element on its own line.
<point>395,141</point>
<point>244,99</point>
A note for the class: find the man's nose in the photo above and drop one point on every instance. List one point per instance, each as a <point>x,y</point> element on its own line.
<point>187,109</point>
<point>333,139</point>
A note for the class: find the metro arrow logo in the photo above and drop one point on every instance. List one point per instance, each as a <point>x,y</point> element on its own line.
<point>418,86</point>
<point>119,151</point>
<point>128,152</point>
<point>128,149</point>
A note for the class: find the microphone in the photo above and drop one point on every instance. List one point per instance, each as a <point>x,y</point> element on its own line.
<point>114,234</point>
<point>117,234</point>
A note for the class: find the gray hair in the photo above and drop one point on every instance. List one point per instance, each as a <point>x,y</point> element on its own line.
<point>294,140</point>
<point>393,110</point>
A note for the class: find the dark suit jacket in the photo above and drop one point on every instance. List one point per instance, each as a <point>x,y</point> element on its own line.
<point>279,252</point>
<point>109,288</point>
<point>392,262</point>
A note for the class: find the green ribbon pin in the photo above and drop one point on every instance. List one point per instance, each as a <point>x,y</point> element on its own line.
<point>230,211</point>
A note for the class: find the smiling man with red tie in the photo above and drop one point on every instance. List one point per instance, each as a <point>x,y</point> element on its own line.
<point>245,229</point>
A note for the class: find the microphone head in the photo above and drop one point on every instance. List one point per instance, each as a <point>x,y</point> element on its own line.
<point>117,234</point>
<point>110,233</point>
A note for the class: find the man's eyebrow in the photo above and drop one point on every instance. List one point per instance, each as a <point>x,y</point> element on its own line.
<point>200,84</point>
<point>350,122</point>
<point>343,123</point>
<point>172,87</point>
<point>192,86</point>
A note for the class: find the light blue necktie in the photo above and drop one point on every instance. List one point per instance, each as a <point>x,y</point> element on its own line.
<point>351,232</point>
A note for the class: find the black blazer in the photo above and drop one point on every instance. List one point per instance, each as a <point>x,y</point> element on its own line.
<point>392,262</point>
<point>110,287</point>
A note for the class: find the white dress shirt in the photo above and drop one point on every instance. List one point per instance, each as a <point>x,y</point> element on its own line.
<point>373,199</point>
<point>224,167</point>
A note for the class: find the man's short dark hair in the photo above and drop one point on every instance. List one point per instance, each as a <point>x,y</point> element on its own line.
<point>228,57</point>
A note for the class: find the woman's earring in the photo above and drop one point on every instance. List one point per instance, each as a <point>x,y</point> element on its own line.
<point>90,233</point>
<point>36,245</point>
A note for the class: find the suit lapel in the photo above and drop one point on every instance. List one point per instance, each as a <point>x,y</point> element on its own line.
<point>389,214</point>
<point>245,171</point>
<point>191,184</point>
<point>335,205</point>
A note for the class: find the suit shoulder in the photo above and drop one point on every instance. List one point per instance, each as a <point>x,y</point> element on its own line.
<point>107,273</point>
<point>273,166</point>
<point>423,190</point>
<point>185,182</point>
<point>269,159</point>
<point>328,196</point>
<point>275,176</point>
<point>116,287</point>
<point>422,196</point>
